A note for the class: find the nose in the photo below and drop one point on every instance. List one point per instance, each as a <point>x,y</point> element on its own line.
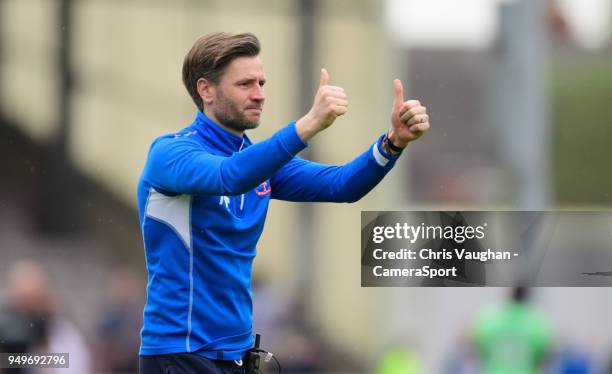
<point>257,94</point>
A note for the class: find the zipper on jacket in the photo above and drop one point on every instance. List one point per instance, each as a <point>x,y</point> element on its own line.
<point>242,196</point>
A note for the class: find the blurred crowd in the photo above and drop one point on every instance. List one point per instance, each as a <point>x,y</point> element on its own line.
<point>510,338</point>
<point>33,319</point>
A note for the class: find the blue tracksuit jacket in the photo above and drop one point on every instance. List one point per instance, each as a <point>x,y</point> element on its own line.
<point>202,198</point>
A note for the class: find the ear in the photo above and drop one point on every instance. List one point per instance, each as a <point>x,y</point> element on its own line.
<point>206,90</point>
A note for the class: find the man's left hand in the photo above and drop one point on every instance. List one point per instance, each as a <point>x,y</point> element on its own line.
<point>409,119</point>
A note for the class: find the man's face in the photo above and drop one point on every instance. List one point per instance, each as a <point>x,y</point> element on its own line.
<point>239,97</point>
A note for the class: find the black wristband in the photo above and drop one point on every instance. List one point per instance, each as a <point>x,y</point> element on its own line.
<point>392,146</point>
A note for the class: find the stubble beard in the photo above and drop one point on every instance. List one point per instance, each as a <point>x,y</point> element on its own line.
<point>228,114</point>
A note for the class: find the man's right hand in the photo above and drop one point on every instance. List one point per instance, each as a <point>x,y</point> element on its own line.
<point>329,103</point>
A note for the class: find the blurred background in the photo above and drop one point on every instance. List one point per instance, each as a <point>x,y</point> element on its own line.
<point>520,99</point>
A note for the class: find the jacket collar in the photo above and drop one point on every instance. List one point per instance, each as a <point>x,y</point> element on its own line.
<point>218,137</point>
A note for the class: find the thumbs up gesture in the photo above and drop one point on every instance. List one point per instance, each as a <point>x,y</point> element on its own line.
<point>409,119</point>
<point>330,102</point>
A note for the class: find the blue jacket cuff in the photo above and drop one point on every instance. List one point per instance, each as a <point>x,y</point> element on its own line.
<point>381,157</point>
<point>291,140</point>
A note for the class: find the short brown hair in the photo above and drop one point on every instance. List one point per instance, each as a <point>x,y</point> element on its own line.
<point>211,54</point>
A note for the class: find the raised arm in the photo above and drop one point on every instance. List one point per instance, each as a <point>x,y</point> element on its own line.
<point>302,180</point>
<point>182,166</point>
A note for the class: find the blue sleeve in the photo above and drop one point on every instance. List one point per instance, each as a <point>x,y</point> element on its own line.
<point>302,180</point>
<point>182,166</point>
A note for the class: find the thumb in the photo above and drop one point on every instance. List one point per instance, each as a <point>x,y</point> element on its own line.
<point>398,98</point>
<point>324,78</point>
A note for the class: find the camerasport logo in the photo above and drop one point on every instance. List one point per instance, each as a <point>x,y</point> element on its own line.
<point>263,189</point>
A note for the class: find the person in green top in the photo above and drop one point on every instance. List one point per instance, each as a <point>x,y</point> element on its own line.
<point>513,338</point>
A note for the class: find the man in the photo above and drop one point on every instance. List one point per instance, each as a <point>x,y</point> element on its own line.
<point>204,193</point>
